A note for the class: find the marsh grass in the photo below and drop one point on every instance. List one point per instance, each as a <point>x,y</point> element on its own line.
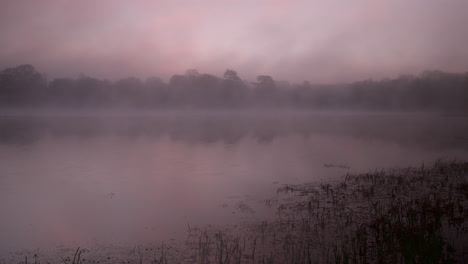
<point>410,215</point>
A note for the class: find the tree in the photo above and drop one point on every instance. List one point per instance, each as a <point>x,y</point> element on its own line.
<point>234,91</point>
<point>156,92</point>
<point>128,91</point>
<point>22,85</point>
<point>231,75</point>
<point>265,89</point>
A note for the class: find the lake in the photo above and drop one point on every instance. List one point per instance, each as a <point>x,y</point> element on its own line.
<point>135,178</point>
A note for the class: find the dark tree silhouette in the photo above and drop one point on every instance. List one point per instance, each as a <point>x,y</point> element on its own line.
<point>23,86</point>
<point>231,75</point>
<point>234,92</point>
<point>265,90</point>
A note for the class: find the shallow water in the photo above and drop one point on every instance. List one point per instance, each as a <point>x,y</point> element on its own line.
<point>131,179</point>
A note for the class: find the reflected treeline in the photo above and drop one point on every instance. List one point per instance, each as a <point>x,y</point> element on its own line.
<point>417,130</point>
<point>23,86</point>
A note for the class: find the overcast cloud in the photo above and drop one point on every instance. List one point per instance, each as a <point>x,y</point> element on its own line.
<point>320,41</point>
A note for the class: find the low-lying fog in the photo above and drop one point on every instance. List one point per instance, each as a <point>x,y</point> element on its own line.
<point>80,179</point>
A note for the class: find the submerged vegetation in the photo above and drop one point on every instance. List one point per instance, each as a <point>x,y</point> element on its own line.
<point>410,215</point>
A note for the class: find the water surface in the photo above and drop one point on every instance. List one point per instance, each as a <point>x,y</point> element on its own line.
<point>130,179</point>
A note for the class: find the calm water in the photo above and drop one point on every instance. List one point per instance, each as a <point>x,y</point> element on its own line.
<point>82,180</point>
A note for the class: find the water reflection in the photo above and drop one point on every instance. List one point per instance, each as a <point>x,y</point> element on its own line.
<point>423,131</point>
<point>67,179</point>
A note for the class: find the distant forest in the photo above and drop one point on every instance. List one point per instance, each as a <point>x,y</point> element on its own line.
<point>24,87</point>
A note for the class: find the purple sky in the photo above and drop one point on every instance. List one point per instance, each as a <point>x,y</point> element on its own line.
<point>320,41</point>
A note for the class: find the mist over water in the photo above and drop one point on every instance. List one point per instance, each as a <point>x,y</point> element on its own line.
<point>209,131</point>
<point>136,178</point>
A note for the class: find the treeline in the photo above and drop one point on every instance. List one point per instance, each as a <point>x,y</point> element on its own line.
<point>23,86</point>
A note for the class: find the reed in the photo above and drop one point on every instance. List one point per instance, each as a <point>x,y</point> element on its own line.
<point>409,215</point>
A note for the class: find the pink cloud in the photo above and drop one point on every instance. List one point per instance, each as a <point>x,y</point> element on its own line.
<point>323,41</point>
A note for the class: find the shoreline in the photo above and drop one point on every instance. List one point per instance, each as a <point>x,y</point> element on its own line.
<point>389,216</point>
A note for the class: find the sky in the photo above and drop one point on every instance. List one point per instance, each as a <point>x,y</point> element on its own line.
<point>323,41</point>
